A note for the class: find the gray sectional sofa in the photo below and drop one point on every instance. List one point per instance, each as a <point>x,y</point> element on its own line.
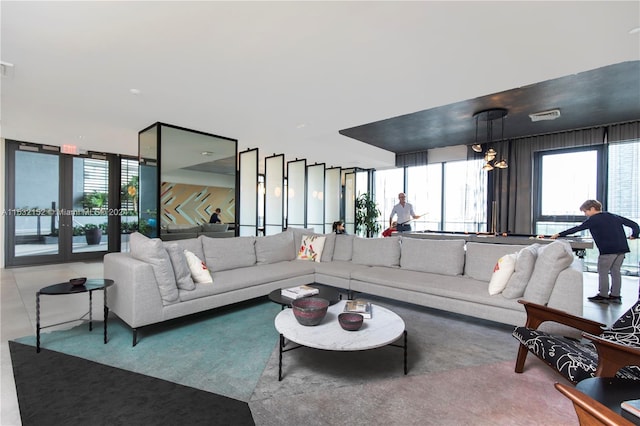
<point>153,283</point>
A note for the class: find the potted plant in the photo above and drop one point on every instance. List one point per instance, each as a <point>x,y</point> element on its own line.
<point>367,214</point>
<point>93,233</point>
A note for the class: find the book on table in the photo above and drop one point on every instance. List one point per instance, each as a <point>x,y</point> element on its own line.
<point>299,291</point>
<point>358,306</point>
<point>632,407</point>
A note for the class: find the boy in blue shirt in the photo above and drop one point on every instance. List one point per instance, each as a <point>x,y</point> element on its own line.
<point>607,230</point>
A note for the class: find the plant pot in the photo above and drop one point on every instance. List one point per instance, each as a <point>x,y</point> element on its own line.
<point>93,236</point>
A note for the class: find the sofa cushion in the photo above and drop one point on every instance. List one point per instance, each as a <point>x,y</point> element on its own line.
<point>298,233</point>
<point>228,253</point>
<point>329,247</point>
<point>180,266</point>
<point>194,245</point>
<point>311,248</point>
<point>343,249</point>
<point>182,228</point>
<point>501,273</point>
<point>525,262</point>
<point>444,257</point>
<point>552,259</point>
<point>376,251</point>
<point>482,257</point>
<point>215,227</point>
<point>199,271</point>
<point>275,248</point>
<point>152,251</point>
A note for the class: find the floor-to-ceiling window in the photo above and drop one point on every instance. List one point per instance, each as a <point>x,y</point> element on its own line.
<point>450,196</point>
<point>567,178</point>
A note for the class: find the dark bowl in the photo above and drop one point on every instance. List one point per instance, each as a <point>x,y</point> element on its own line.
<point>310,310</point>
<point>78,281</point>
<point>350,321</point>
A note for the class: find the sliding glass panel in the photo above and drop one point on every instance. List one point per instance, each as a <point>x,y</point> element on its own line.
<point>315,197</point>
<point>350,203</point>
<point>332,197</point>
<point>274,194</point>
<point>249,193</point>
<point>296,179</point>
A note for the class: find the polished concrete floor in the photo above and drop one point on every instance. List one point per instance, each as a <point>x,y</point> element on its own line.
<point>18,312</point>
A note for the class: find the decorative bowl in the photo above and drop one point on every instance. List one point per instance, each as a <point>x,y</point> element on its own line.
<point>350,321</point>
<point>310,310</point>
<point>78,281</point>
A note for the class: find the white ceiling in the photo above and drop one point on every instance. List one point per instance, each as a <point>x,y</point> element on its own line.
<point>283,76</point>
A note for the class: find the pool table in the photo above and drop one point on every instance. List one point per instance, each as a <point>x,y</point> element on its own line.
<point>578,245</point>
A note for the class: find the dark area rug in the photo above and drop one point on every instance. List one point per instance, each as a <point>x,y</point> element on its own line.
<point>58,389</point>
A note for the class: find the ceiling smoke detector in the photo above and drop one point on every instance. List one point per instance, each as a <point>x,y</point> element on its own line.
<point>552,114</point>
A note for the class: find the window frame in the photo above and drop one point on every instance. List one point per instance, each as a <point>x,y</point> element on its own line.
<point>601,174</point>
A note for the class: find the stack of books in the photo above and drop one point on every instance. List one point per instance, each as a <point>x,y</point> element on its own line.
<point>358,306</point>
<point>631,410</point>
<point>299,291</point>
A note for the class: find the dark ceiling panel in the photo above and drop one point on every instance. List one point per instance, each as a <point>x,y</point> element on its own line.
<point>602,96</point>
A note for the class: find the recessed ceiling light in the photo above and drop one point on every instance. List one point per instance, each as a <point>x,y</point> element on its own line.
<point>206,153</point>
<point>301,126</point>
<point>135,91</point>
<point>634,30</point>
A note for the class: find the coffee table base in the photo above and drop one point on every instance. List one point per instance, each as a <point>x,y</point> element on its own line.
<point>283,350</point>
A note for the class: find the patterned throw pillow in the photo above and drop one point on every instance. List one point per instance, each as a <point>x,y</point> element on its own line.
<point>311,248</point>
<point>199,270</point>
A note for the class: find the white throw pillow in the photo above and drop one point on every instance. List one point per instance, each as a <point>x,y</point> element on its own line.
<point>501,273</point>
<point>311,248</point>
<point>199,270</point>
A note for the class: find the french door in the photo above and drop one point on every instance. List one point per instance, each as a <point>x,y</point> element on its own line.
<point>57,205</point>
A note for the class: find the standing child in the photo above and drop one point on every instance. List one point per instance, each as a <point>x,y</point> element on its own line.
<point>607,230</point>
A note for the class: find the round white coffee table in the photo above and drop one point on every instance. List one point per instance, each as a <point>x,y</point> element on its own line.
<point>383,328</point>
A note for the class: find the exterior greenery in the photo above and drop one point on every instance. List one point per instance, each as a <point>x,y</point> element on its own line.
<point>367,213</point>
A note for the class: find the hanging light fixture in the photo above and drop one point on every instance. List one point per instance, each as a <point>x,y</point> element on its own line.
<point>489,116</point>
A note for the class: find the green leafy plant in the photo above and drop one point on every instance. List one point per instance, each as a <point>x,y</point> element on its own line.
<point>95,200</point>
<point>367,214</point>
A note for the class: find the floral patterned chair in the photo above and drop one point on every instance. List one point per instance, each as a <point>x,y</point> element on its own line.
<point>606,352</point>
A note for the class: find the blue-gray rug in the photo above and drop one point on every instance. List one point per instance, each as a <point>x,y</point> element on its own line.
<point>222,351</point>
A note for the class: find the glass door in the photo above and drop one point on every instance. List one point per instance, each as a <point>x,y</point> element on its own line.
<point>57,208</point>
<point>32,221</point>
<point>89,202</point>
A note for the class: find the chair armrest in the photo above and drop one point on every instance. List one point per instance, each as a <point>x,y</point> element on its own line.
<point>537,314</point>
<point>589,410</point>
<point>613,356</point>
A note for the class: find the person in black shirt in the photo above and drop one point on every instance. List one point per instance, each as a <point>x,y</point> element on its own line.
<point>338,227</point>
<point>215,217</point>
<point>607,230</point>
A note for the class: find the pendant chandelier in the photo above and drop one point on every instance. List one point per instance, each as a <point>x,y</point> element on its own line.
<point>489,116</point>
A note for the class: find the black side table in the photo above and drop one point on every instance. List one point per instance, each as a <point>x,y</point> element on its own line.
<point>329,293</point>
<point>611,391</point>
<point>67,288</point>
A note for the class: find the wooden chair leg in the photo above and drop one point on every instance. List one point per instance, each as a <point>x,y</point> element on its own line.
<point>522,357</point>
